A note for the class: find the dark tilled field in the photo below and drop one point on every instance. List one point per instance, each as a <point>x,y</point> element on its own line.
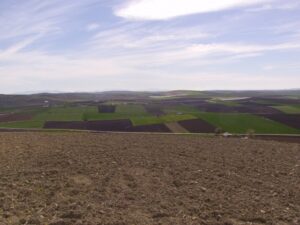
<point>277,100</point>
<point>14,117</point>
<point>154,109</point>
<point>106,108</point>
<point>106,125</point>
<point>118,179</point>
<point>197,126</point>
<point>257,109</point>
<point>101,125</point>
<point>244,108</point>
<point>292,120</point>
<point>162,128</point>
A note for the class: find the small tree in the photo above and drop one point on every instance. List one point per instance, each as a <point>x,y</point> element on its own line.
<point>218,131</point>
<point>84,117</point>
<point>250,133</point>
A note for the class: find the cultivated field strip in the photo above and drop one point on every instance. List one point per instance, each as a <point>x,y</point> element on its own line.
<point>195,114</point>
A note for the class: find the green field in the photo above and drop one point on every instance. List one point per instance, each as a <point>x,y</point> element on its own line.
<point>224,102</point>
<point>230,122</point>
<point>122,112</point>
<point>64,113</point>
<point>180,109</point>
<point>289,109</point>
<point>242,123</point>
<point>23,124</point>
<point>51,114</point>
<point>131,109</point>
<point>147,120</point>
<point>91,116</point>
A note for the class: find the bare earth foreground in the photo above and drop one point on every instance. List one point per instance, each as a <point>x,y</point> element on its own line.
<point>118,179</point>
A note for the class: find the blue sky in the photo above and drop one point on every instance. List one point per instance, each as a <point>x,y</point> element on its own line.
<point>98,45</point>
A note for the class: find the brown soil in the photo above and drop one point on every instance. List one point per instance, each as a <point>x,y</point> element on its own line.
<point>280,100</point>
<point>118,179</point>
<point>109,125</point>
<point>287,139</point>
<point>14,117</point>
<point>257,109</point>
<point>106,108</point>
<point>188,101</point>
<point>292,120</point>
<point>161,128</point>
<point>197,126</point>
<point>154,109</point>
<point>101,125</point>
<point>211,107</point>
<point>106,125</point>
<point>245,107</point>
<point>176,128</point>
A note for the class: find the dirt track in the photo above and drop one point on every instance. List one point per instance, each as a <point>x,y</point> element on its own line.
<point>118,179</point>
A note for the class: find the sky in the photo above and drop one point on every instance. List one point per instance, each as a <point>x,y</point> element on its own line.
<point>148,45</point>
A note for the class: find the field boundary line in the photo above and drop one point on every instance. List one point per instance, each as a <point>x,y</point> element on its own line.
<point>150,133</point>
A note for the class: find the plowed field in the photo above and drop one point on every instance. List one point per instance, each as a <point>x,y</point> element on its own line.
<point>118,179</point>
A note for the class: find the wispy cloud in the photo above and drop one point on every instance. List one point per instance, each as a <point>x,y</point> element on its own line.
<point>289,5</point>
<point>48,44</point>
<point>35,17</point>
<point>135,39</point>
<point>16,47</point>
<point>92,26</point>
<point>166,9</point>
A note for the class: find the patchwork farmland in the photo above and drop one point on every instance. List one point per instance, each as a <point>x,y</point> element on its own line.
<point>199,112</point>
<point>150,159</point>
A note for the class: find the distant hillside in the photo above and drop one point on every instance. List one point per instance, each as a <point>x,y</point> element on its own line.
<point>7,101</point>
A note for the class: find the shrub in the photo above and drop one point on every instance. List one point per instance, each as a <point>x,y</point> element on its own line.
<point>84,117</point>
<point>218,131</point>
<point>250,133</point>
